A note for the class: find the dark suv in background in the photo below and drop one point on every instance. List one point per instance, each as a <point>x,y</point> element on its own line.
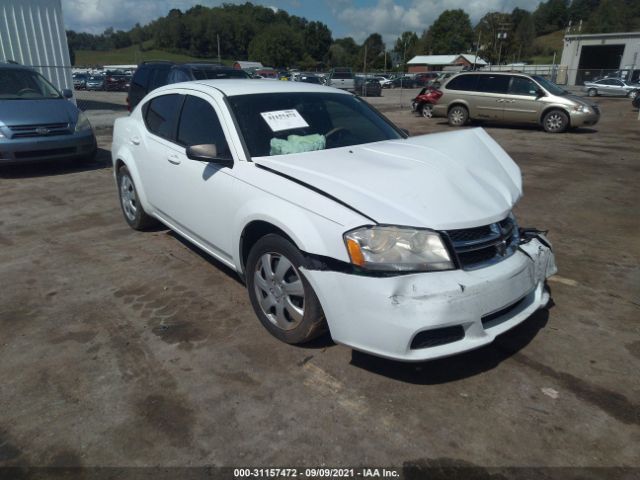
<point>152,75</point>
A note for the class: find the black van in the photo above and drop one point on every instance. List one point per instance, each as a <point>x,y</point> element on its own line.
<point>155,74</point>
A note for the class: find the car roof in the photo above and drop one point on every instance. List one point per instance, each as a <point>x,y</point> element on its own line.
<point>14,66</point>
<point>234,87</point>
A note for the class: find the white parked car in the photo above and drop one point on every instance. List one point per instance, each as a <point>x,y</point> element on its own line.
<point>401,247</point>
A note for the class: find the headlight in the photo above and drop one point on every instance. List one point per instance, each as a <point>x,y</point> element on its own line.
<point>82,123</point>
<point>581,109</point>
<point>397,249</point>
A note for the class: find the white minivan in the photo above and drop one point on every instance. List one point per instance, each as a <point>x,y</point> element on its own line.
<point>402,247</point>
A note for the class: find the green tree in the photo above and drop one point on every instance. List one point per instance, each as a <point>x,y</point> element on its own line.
<point>487,31</point>
<point>317,40</point>
<point>277,46</point>
<point>551,15</point>
<point>451,33</point>
<point>374,48</point>
<point>610,16</point>
<point>406,46</point>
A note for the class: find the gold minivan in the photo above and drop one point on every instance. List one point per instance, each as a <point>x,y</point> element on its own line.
<point>511,97</point>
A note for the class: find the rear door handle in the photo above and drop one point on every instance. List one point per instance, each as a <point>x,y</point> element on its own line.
<point>500,100</point>
<point>173,159</point>
<point>135,140</point>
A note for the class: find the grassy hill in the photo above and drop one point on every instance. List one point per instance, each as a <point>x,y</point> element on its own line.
<point>546,45</point>
<point>130,56</point>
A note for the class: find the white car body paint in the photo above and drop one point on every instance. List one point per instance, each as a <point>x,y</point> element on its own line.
<point>444,181</point>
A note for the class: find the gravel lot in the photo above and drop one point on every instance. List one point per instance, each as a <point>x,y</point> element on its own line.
<point>120,348</point>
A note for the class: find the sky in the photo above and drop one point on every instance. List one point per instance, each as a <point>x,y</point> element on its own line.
<point>355,18</point>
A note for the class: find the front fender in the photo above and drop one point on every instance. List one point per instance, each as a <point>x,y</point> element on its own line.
<point>310,232</point>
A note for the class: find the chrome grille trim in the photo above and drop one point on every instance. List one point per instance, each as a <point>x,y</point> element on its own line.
<point>479,247</point>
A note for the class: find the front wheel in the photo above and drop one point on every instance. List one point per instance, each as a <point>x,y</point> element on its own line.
<point>556,121</point>
<point>283,300</point>
<point>458,116</point>
<point>592,92</point>
<point>632,94</point>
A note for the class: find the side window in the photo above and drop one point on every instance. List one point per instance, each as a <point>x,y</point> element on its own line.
<point>199,125</point>
<point>463,82</point>
<point>617,83</point>
<point>522,86</point>
<point>162,114</point>
<point>493,83</point>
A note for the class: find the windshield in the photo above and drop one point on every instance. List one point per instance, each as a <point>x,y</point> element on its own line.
<point>282,123</point>
<point>18,84</point>
<point>549,86</point>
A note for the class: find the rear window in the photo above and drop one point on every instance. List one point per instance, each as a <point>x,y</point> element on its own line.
<point>463,82</point>
<point>141,77</point>
<point>162,114</point>
<point>342,75</point>
<point>213,73</point>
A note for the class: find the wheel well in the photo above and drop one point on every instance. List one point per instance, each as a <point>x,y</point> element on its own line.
<point>457,104</point>
<point>253,232</point>
<point>119,164</point>
<point>550,109</point>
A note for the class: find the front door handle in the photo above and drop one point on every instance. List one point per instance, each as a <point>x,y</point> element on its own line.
<point>135,140</point>
<point>173,159</point>
<point>500,100</point>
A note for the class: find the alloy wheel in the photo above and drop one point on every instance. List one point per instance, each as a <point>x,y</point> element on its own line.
<point>555,122</point>
<point>427,111</point>
<point>128,197</point>
<point>457,116</point>
<point>279,290</point>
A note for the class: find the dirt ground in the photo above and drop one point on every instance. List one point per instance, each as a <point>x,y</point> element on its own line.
<point>120,348</point>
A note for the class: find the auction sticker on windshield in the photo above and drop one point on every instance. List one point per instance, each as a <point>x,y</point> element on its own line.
<point>280,120</point>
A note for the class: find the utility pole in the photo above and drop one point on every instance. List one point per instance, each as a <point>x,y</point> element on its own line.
<point>475,60</point>
<point>364,81</point>
<point>218,38</point>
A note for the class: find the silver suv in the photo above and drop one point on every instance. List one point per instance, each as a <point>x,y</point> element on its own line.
<point>513,98</point>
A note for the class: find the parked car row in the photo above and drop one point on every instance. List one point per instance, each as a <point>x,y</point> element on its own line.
<point>110,80</point>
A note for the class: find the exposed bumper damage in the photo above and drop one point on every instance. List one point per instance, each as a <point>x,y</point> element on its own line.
<point>431,315</point>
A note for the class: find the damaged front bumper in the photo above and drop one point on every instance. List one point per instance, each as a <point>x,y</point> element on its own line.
<point>436,314</point>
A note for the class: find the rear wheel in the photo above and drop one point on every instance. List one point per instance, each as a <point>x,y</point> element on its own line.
<point>132,209</point>
<point>555,121</point>
<point>458,116</point>
<point>283,300</point>
<point>426,110</point>
<point>592,92</point>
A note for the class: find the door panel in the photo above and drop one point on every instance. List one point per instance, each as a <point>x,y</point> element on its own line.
<point>522,104</point>
<point>490,97</point>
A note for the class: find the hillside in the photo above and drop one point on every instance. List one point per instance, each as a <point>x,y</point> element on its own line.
<point>130,56</point>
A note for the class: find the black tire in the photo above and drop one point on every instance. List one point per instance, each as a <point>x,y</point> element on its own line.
<point>136,218</point>
<point>312,323</point>
<point>555,121</point>
<point>592,92</point>
<point>632,94</point>
<point>458,116</point>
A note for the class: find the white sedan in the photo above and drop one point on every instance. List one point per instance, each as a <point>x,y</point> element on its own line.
<point>401,247</point>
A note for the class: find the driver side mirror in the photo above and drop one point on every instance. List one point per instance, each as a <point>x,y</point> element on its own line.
<point>208,153</point>
<point>66,93</point>
<point>540,93</point>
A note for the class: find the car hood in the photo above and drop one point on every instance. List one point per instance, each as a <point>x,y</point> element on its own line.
<point>580,100</point>
<point>37,112</point>
<point>442,181</point>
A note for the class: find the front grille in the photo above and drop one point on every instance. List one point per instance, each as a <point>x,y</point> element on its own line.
<point>437,336</point>
<point>45,153</point>
<point>46,130</point>
<point>480,246</point>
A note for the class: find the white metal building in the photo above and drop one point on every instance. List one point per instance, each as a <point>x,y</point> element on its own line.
<point>32,33</point>
<point>590,55</point>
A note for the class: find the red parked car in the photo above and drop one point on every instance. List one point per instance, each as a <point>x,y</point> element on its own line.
<point>423,103</point>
